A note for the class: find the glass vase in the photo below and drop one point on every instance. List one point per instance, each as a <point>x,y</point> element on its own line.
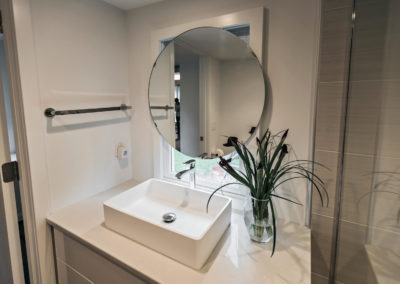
<point>257,219</point>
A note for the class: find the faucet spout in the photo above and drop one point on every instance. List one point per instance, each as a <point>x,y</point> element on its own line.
<point>182,173</point>
<point>191,171</point>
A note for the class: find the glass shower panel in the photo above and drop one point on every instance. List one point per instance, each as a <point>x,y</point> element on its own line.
<point>368,246</point>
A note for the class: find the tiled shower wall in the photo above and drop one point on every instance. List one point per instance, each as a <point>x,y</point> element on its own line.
<point>332,88</point>
<point>369,229</point>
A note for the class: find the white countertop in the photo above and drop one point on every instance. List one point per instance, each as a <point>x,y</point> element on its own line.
<point>235,259</point>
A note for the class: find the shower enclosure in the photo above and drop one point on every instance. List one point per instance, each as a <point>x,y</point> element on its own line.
<point>357,238</point>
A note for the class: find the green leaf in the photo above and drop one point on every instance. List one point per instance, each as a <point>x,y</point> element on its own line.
<point>273,227</point>
<point>218,189</point>
<point>267,170</point>
<point>284,198</point>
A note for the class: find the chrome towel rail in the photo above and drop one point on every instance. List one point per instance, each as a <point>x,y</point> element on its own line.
<point>51,112</point>
<point>166,107</point>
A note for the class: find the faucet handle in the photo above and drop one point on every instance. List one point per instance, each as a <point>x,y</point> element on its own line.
<point>202,156</point>
<point>190,162</point>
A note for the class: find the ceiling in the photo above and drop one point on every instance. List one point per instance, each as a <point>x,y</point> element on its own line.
<point>131,4</point>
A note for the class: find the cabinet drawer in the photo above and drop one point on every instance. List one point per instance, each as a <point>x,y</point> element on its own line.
<point>93,266</point>
<point>67,275</point>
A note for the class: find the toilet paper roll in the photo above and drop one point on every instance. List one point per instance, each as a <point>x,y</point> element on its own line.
<point>121,152</point>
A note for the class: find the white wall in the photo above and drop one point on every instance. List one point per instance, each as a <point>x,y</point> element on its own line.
<point>290,53</point>
<point>235,96</point>
<point>82,56</point>
<point>72,54</point>
<point>242,88</point>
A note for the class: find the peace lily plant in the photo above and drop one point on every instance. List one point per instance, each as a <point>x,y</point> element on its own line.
<point>263,174</point>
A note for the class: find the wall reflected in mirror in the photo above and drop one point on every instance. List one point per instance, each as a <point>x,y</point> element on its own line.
<point>206,85</point>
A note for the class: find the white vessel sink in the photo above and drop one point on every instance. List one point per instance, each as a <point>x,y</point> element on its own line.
<point>138,214</point>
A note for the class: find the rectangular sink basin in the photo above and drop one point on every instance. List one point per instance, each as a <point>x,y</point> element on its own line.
<point>138,214</point>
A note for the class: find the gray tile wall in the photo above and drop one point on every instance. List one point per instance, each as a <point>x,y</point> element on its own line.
<point>372,151</point>
<point>332,88</point>
<point>369,220</point>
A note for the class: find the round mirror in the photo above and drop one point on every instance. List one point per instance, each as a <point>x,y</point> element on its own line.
<point>206,86</point>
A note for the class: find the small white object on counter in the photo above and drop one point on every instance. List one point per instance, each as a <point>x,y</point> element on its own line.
<point>236,259</point>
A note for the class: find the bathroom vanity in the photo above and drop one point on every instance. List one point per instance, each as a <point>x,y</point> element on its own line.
<point>86,251</point>
<point>128,234</point>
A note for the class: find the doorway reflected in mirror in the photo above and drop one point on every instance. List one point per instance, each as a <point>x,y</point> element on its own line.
<point>206,85</point>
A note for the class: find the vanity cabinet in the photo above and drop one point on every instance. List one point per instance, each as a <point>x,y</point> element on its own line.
<point>77,263</point>
<point>88,252</point>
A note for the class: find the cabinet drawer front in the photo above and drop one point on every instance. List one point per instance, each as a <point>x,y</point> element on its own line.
<point>67,275</point>
<point>95,267</point>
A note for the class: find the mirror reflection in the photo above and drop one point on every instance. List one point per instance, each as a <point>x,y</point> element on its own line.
<point>206,85</point>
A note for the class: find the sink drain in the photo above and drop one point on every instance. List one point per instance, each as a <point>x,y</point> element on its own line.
<point>169,217</point>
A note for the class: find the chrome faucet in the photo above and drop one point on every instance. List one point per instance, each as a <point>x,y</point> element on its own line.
<point>191,170</point>
<point>202,156</point>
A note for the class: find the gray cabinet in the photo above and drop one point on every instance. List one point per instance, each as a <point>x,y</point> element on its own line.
<point>79,264</point>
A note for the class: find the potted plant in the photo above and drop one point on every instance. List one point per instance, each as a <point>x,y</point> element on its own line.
<point>263,174</point>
